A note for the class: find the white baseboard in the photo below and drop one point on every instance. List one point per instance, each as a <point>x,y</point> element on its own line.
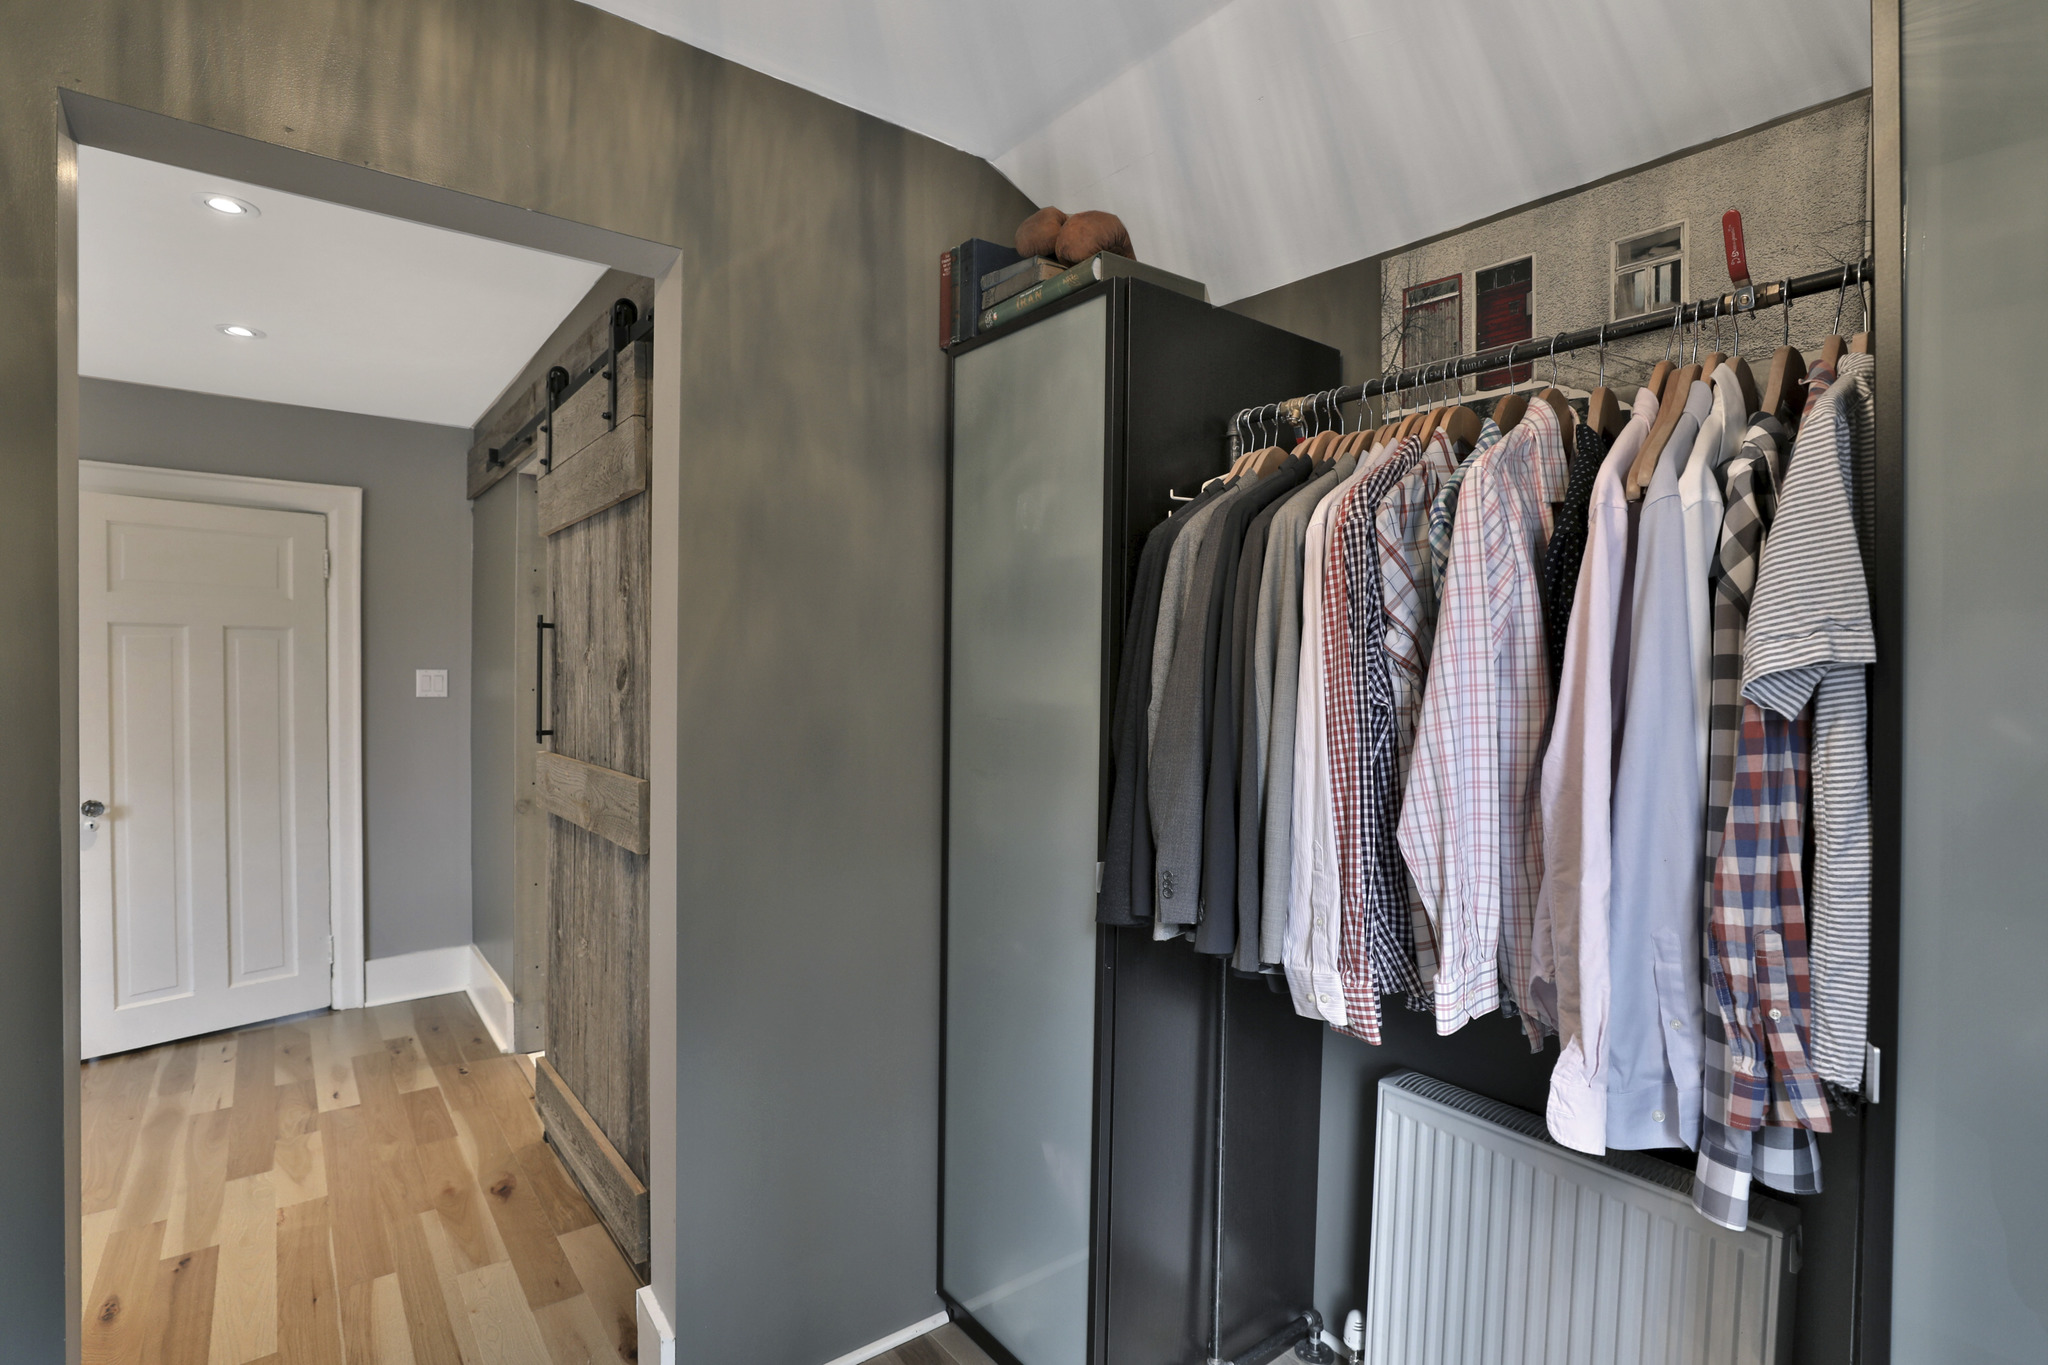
<point>892,1341</point>
<point>415,976</point>
<point>461,970</point>
<point>493,1000</point>
<point>654,1329</point>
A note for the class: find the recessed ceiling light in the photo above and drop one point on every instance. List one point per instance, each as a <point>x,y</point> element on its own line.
<point>239,331</point>
<point>229,205</point>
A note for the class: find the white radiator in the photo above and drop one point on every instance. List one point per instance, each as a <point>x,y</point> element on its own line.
<point>1492,1245</point>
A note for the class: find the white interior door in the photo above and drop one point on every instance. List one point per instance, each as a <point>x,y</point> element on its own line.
<point>203,730</point>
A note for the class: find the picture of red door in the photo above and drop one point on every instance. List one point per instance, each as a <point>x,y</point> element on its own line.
<point>1504,316</point>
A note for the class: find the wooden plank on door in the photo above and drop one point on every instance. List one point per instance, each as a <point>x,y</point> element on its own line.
<point>597,983</point>
<point>607,803</point>
<point>617,1194</point>
<point>604,474</point>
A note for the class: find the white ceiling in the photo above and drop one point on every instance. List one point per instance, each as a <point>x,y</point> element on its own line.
<point>1249,143</point>
<point>360,312</point>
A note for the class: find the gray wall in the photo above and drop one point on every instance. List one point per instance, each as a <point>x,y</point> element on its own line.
<point>810,588</point>
<point>495,695</point>
<point>1339,308</point>
<point>416,612</point>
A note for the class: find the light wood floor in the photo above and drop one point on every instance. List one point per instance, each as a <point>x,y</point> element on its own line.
<point>367,1187</point>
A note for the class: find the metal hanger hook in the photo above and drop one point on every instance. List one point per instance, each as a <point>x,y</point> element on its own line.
<point>1553,360</point>
<point>1785,302</point>
<point>1603,357</point>
<point>1841,292</point>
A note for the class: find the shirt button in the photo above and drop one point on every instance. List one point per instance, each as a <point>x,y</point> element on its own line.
<point>1656,1116</point>
<point>1776,1015</point>
<point>1678,1023</point>
<point>1319,921</point>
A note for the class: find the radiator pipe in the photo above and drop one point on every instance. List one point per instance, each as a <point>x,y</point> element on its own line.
<point>1304,1332</point>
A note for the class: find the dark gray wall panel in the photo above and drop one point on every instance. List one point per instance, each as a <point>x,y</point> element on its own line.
<point>810,598</point>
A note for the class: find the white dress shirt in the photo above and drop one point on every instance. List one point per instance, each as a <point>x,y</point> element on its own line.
<point>1699,493</point>
<point>1660,795</point>
<point>1313,911</point>
<point>1578,787</point>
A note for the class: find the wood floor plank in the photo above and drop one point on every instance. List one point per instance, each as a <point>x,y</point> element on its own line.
<point>334,1071</point>
<point>470,1034</point>
<point>566,1207</point>
<point>93,1230</point>
<point>118,1314</point>
<point>408,1071</point>
<point>510,1100</point>
<point>252,1123</point>
<point>308,1307</point>
<point>435,1035</point>
<point>459,1204</point>
<point>298,1109</point>
<point>294,1055</point>
<point>955,1342</point>
<point>213,1084</point>
<point>114,1096</point>
<point>181,1328</point>
<point>435,1289</point>
<point>500,1319</point>
<point>373,1323</point>
<point>245,1279</point>
<point>361,1251</point>
<point>427,1113</point>
<point>195,1208</point>
<point>394,1020</point>
<point>180,1068</point>
<point>154,1168</point>
<point>577,1335</point>
<point>544,1271</point>
<point>605,1276</point>
<point>299,1171</point>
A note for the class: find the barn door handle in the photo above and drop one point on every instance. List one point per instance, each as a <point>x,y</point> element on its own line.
<point>540,678</point>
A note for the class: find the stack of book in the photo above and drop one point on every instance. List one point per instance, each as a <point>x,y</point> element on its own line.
<point>983,285</point>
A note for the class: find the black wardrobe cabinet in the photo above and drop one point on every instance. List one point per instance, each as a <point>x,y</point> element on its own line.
<point>1084,1141</point>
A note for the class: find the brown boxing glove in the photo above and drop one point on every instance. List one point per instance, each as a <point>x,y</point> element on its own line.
<point>1037,234</point>
<point>1084,234</point>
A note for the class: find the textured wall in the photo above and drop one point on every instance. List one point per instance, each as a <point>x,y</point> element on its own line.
<point>1800,187</point>
<point>1339,308</point>
<point>811,580</point>
<point>415,614</point>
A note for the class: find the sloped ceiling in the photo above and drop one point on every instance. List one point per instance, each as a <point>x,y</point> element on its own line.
<point>1249,143</point>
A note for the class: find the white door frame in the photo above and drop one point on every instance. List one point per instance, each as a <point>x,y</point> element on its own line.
<point>343,508</point>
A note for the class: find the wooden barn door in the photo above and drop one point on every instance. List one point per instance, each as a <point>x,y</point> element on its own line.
<point>592,778</point>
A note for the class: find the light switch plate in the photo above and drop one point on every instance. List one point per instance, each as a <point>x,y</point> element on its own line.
<point>430,682</point>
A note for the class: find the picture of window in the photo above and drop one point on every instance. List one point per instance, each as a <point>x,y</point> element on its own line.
<point>1504,315</point>
<point>1647,271</point>
<point>1432,320</point>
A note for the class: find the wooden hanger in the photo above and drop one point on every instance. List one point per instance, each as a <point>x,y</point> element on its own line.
<point>1860,343</point>
<point>1670,407</point>
<point>1714,360</point>
<point>1788,376</point>
<point>1660,374</point>
<point>1603,409</point>
<point>1462,426</point>
<point>1509,410</point>
<point>1831,350</point>
<point>1746,381</point>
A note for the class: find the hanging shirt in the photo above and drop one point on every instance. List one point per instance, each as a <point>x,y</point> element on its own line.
<point>1278,630</point>
<point>1443,511</point>
<point>1653,1035</point>
<point>1468,824</point>
<point>1809,639</point>
<point>1731,1155</point>
<point>1174,587</point>
<point>1699,491</point>
<point>1218,932</point>
<point>1577,792</point>
<point>1568,542</point>
<point>1407,639</point>
<point>1313,916</point>
<point>1126,895</point>
<point>1379,952</point>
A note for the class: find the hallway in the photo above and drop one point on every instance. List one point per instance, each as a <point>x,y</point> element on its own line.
<point>360,1186</point>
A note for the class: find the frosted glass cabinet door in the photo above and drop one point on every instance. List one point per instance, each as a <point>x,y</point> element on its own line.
<point>1025,745</point>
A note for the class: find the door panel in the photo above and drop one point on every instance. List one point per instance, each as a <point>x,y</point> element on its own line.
<point>203,727</point>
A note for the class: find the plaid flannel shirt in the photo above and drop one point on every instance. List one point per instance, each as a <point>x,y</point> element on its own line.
<point>1730,1157</point>
<point>1443,508</point>
<point>1470,823</point>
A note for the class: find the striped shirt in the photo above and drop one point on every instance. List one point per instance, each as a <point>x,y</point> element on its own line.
<point>1809,640</point>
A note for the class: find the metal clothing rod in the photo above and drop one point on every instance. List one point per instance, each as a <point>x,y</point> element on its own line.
<point>1536,348</point>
